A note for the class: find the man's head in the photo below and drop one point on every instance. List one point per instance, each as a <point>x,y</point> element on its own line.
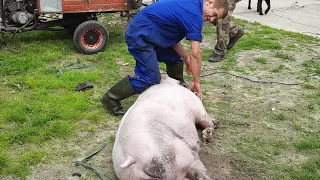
<point>215,9</point>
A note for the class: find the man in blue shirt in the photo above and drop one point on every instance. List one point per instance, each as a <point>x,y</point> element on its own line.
<point>154,35</point>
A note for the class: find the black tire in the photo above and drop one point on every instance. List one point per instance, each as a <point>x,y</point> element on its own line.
<point>135,4</point>
<point>90,37</point>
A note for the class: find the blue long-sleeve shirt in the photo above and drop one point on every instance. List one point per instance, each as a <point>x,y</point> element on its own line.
<point>165,23</point>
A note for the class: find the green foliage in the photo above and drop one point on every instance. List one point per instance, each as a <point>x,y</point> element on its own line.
<point>312,66</point>
<point>307,170</point>
<point>278,69</point>
<point>309,86</point>
<point>284,56</point>
<point>222,104</point>
<point>39,101</point>
<point>4,161</point>
<point>315,96</point>
<point>32,157</point>
<point>229,64</point>
<point>111,139</point>
<point>279,117</point>
<point>20,166</point>
<point>311,141</point>
<point>261,60</point>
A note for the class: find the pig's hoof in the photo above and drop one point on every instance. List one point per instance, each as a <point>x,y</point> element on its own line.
<point>207,134</point>
<point>215,123</point>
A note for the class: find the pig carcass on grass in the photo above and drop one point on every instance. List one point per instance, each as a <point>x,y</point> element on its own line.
<point>157,137</point>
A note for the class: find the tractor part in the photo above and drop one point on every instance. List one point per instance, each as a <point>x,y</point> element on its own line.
<point>135,4</point>
<point>90,37</point>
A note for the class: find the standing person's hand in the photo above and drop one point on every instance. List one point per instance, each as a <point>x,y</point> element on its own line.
<point>195,87</point>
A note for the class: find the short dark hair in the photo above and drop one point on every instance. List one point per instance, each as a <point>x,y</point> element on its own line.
<point>224,4</point>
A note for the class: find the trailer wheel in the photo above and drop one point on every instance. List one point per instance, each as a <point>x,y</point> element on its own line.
<point>90,37</point>
<point>135,4</point>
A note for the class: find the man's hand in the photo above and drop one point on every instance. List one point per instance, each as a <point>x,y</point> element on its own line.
<point>193,63</point>
<point>195,87</point>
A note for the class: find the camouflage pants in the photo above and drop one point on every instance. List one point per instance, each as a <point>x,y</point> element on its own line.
<point>226,28</point>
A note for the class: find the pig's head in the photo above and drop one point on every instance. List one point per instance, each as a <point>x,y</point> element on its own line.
<point>165,79</point>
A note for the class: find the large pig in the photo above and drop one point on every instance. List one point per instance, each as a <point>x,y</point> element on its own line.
<point>157,138</point>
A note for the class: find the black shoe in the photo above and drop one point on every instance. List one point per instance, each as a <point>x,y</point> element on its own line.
<point>216,57</point>
<point>233,40</point>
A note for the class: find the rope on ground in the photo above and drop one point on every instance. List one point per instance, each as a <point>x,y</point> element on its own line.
<point>318,55</point>
<point>255,81</point>
<point>82,162</point>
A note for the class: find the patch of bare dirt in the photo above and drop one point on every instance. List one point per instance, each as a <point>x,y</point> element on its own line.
<point>251,98</point>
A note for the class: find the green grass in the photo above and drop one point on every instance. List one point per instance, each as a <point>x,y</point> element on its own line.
<point>311,141</point>
<point>312,66</point>
<point>278,69</point>
<point>284,56</point>
<point>40,105</point>
<point>261,60</point>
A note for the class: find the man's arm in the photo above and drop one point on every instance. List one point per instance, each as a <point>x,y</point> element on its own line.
<point>196,63</point>
<point>193,63</point>
<point>196,60</point>
<point>180,50</point>
<point>184,55</point>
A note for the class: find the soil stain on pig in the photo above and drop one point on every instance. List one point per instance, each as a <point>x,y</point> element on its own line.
<point>158,166</point>
<point>155,168</point>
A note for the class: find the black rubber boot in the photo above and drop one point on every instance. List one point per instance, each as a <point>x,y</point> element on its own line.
<point>175,71</point>
<point>216,57</point>
<point>233,40</point>
<point>119,91</point>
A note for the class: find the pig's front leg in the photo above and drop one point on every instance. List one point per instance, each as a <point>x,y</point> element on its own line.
<point>207,134</point>
<point>208,124</point>
<point>197,171</point>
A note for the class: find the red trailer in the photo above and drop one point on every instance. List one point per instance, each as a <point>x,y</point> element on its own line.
<point>78,16</point>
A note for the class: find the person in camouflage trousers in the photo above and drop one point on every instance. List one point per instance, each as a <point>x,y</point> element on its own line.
<point>226,28</point>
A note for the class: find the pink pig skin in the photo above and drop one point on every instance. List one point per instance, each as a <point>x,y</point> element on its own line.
<point>157,137</point>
